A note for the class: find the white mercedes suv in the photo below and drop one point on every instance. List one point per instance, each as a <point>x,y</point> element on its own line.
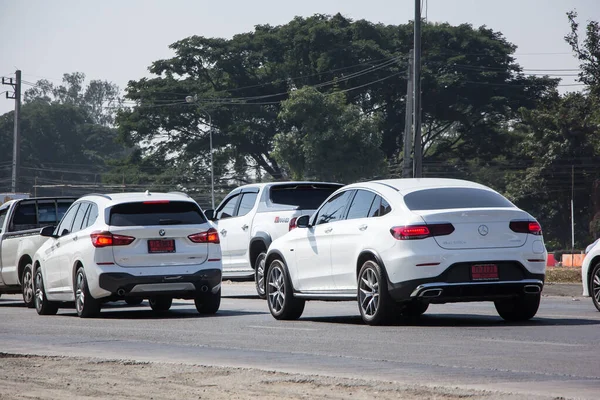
<point>398,245</point>
<point>129,246</point>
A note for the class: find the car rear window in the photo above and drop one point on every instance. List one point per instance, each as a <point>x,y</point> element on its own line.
<point>144,214</point>
<point>448,198</point>
<point>306,197</point>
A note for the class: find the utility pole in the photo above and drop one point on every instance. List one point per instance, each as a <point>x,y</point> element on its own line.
<point>17,126</point>
<point>418,153</point>
<point>407,165</point>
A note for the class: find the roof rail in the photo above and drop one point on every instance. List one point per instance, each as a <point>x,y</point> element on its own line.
<point>181,193</point>
<point>100,194</point>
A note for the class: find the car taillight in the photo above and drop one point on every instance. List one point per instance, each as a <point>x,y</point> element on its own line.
<point>532,227</point>
<point>412,232</point>
<point>292,224</point>
<point>210,236</point>
<point>105,239</point>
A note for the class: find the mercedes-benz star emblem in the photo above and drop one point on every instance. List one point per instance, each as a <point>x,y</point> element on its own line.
<point>483,230</point>
<point>161,232</point>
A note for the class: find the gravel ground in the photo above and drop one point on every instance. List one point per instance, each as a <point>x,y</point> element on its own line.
<point>34,377</point>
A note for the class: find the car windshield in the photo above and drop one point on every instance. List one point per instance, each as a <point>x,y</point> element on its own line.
<point>449,198</point>
<point>304,196</point>
<point>151,213</point>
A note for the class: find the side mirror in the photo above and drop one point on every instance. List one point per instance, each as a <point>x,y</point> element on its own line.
<point>303,221</point>
<point>47,231</point>
<point>210,214</point>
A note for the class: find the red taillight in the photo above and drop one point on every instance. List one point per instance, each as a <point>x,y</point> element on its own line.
<point>156,202</point>
<point>411,232</point>
<point>210,236</point>
<point>532,227</point>
<point>105,239</point>
<point>292,224</point>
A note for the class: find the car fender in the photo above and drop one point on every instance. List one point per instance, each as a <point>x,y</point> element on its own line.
<point>271,255</point>
<point>371,253</point>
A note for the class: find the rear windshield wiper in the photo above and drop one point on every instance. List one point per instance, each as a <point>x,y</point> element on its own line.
<point>169,221</point>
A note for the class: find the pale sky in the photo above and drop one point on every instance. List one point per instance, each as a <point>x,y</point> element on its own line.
<point>116,40</point>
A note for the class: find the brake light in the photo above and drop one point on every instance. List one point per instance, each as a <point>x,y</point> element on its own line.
<point>210,236</point>
<point>411,232</point>
<point>156,202</point>
<point>292,224</point>
<point>106,239</point>
<point>532,227</point>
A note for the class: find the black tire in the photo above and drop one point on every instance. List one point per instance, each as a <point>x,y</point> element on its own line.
<point>374,302</point>
<point>85,304</point>
<point>134,301</point>
<point>43,306</point>
<point>522,308</point>
<point>160,303</point>
<point>208,303</point>
<point>280,293</point>
<point>595,286</point>
<point>27,286</point>
<point>414,309</point>
<point>259,275</point>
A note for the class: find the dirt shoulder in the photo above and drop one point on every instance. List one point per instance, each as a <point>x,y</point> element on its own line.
<point>35,377</point>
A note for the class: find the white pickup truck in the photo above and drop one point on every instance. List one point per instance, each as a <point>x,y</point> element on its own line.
<point>252,216</point>
<point>20,223</point>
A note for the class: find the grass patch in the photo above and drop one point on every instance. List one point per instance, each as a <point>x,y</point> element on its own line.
<point>563,275</point>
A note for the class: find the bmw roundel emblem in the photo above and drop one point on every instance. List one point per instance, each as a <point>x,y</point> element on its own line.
<point>161,232</point>
<point>483,230</point>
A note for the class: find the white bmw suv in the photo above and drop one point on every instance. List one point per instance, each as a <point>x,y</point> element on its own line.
<point>399,245</point>
<point>129,246</point>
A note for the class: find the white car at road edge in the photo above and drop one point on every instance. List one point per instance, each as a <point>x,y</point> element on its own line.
<point>590,273</point>
<point>399,245</point>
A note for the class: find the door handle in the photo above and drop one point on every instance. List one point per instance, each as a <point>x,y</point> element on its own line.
<point>328,230</point>
<point>363,227</point>
<point>223,231</point>
<point>244,227</point>
<point>57,245</point>
<point>75,238</point>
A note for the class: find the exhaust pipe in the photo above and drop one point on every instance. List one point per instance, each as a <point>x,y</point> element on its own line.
<point>204,288</point>
<point>121,292</point>
<point>431,293</point>
<point>532,289</point>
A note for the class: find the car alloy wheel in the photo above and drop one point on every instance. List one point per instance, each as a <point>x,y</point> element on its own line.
<point>595,286</point>
<point>369,293</point>
<point>27,286</point>
<point>79,293</point>
<point>280,293</point>
<point>85,305</point>
<point>259,275</point>
<point>276,288</point>
<point>42,305</point>
<point>374,302</point>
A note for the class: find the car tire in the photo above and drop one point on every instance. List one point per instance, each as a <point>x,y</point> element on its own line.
<point>160,303</point>
<point>414,309</point>
<point>594,286</point>
<point>134,301</point>
<point>280,293</point>
<point>43,306</point>
<point>27,286</point>
<point>208,303</point>
<point>374,302</point>
<point>522,308</point>
<point>85,305</point>
<point>259,275</point>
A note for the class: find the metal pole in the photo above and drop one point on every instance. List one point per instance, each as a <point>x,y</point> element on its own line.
<point>407,168</point>
<point>418,155</point>
<point>212,169</point>
<point>572,215</point>
<point>17,133</point>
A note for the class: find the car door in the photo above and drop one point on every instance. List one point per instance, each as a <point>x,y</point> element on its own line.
<point>238,234</point>
<point>223,214</point>
<point>313,248</point>
<point>351,235</point>
<point>51,266</point>
<point>69,250</point>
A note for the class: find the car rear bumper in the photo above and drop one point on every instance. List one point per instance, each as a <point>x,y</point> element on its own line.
<point>125,285</point>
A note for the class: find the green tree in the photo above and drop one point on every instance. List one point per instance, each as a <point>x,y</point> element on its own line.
<point>328,139</point>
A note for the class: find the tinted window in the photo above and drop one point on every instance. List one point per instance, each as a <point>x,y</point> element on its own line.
<point>81,213</point>
<point>307,197</point>
<point>25,216</point>
<point>64,228</point>
<point>228,208</point>
<point>246,204</point>
<point>47,212</point>
<point>92,216</point>
<point>334,209</point>
<point>148,214</point>
<point>3,217</point>
<point>61,208</point>
<point>360,205</point>
<point>379,207</point>
<point>447,198</point>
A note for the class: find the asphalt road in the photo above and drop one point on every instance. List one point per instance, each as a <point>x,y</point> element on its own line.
<point>454,345</point>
